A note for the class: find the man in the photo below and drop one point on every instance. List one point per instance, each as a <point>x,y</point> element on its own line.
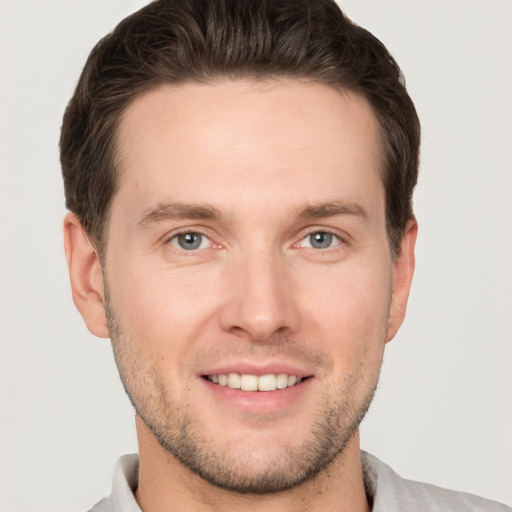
<point>240,178</point>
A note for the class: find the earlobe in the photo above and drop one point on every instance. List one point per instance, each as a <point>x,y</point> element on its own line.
<point>403,271</point>
<point>86,276</point>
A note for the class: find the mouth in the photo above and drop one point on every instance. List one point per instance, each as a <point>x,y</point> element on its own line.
<point>248,382</point>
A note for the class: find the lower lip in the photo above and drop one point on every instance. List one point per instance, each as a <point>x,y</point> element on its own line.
<point>259,401</point>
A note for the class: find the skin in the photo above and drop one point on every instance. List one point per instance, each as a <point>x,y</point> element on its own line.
<point>268,164</point>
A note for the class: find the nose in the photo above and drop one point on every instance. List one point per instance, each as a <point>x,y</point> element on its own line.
<point>261,299</point>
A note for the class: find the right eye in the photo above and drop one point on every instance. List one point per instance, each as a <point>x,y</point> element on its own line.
<point>190,241</point>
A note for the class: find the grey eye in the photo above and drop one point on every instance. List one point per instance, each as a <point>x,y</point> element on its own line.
<point>320,240</point>
<point>190,241</point>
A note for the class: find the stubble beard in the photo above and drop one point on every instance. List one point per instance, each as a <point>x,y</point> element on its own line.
<point>175,429</point>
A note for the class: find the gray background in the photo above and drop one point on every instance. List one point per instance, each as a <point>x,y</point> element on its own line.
<point>444,409</point>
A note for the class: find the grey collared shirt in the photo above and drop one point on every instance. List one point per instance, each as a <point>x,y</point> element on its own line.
<point>385,489</point>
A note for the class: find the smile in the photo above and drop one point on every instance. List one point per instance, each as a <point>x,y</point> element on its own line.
<point>245,382</point>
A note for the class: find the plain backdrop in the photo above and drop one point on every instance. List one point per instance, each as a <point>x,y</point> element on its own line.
<point>443,413</point>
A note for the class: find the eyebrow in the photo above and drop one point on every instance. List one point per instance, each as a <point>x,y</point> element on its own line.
<point>169,211</point>
<point>333,209</point>
<point>176,210</point>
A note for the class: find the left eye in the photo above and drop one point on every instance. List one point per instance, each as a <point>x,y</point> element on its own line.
<point>320,240</point>
<point>190,241</point>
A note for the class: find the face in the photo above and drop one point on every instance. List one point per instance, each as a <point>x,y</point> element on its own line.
<point>249,281</point>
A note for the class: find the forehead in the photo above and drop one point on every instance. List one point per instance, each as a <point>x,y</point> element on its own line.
<point>243,143</point>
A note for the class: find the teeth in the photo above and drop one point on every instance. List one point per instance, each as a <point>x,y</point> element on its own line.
<point>234,380</point>
<point>249,382</point>
<point>245,382</point>
<point>282,381</point>
<point>267,383</point>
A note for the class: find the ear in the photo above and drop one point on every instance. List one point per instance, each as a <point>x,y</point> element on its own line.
<point>86,276</point>
<point>403,270</point>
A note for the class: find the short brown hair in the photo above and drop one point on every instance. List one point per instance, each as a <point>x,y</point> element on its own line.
<point>174,41</point>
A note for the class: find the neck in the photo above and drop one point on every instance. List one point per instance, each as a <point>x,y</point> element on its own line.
<point>166,485</point>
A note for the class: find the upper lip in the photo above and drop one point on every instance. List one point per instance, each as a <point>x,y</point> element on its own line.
<point>252,368</point>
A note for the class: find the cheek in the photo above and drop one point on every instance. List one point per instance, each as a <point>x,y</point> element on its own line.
<point>350,308</point>
<point>158,305</point>
<point>160,319</point>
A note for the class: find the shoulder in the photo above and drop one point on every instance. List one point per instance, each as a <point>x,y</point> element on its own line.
<point>391,492</point>
<point>124,484</point>
<point>105,505</point>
